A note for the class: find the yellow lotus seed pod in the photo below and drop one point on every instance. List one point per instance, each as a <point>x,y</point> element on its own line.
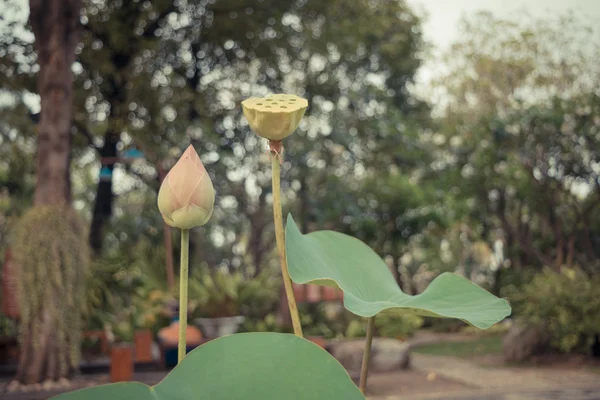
<point>276,116</point>
<point>186,196</point>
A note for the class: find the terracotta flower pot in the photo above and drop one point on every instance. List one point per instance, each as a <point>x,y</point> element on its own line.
<point>168,340</point>
<point>169,335</point>
<point>299,292</point>
<point>330,293</point>
<point>313,294</point>
<point>143,345</point>
<point>318,340</point>
<point>121,362</point>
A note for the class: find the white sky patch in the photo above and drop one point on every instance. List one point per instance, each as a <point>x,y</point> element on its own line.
<point>441,25</point>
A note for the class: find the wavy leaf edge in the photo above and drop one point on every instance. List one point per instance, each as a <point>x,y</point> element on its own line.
<point>393,306</point>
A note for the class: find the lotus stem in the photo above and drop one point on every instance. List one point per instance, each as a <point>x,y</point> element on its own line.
<point>275,150</point>
<point>183,293</point>
<point>364,370</point>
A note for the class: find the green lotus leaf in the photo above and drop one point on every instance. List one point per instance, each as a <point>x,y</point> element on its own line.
<point>248,366</point>
<point>335,259</point>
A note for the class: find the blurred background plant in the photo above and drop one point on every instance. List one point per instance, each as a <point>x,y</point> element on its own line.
<point>565,305</point>
<point>266,324</point>
<point>387,324</point>
<point>488,168</point>
<point>121,327</point>
<point>136,284</point>
<point>215,294</point>
<point>220,293</point>
<point>326,319</point>
<point>8,326</point>
<point>53,260</point>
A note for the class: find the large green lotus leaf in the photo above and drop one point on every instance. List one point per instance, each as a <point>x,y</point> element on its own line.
<point>333,258</point>
<point>248,366</point>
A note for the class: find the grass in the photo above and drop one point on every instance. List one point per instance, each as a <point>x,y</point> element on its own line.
<point>488,344</point>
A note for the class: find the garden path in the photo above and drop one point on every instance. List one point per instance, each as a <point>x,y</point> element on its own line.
<point>503,383</point>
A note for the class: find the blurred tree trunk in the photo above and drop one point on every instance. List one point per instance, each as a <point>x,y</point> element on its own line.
<point>115,93</point>
<point>55,24</point>
<point>258,223</point>
<point>103,203</point>
<point>284,318</point>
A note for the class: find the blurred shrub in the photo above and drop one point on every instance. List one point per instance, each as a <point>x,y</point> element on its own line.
<point>103,296</point>
<point>151,308</point>
<point>387,324</point>
<point>120,329</point>
<point>356,329</point>
<point>444,325</point>
<point>259,296</point>
<point>138,285</point>
<point>215,294</point>
<point>511,280</point>
<point>398,326</point>
<point>220,293</point>
<point>566,304</point>
<point>8,326</point>
<point>266,324</point>
<point>328,319</point>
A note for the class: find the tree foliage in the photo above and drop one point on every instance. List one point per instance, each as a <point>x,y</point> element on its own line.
<point>564,305</point>
<point>519,138</point>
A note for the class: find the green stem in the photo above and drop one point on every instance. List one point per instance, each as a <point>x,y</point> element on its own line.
<point>183,292</point>
<point>364,370</point>
<point>280,238</point>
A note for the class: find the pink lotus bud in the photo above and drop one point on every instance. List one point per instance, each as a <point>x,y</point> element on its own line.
<point>276,116</point>
<point>186,197</point>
